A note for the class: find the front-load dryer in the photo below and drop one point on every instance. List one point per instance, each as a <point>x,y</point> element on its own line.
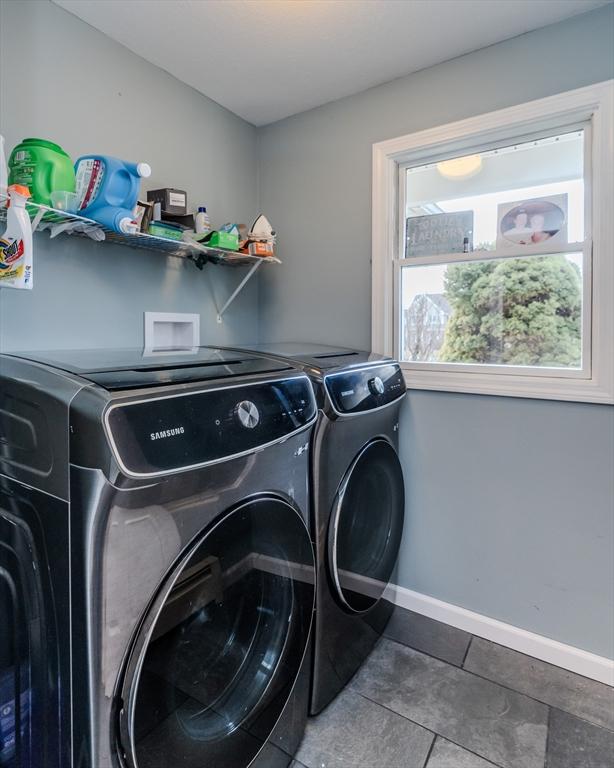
<point>156,568</point>
<point>357,503</point>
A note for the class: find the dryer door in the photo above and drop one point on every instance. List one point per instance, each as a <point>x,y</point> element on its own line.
<point>217,654</point>
<point>366,527</point>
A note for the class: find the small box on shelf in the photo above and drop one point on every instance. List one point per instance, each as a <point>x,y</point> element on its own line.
<point>174,201</point>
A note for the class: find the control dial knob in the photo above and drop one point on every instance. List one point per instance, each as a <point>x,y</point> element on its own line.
<point>248,414</point>
<point>376,385</point>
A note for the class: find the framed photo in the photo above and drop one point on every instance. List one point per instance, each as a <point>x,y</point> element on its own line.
<point>531,222</point>
<point>439,233</point>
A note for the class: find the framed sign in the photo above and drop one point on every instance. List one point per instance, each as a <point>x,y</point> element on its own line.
<point>531,222</point>
<point>439,233</point>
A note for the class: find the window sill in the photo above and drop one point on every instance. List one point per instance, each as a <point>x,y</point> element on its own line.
<point>508,385</point>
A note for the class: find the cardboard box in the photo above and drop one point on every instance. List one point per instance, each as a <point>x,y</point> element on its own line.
<point>173,201</point>
<point>261,249</point>
<point>228,240</point>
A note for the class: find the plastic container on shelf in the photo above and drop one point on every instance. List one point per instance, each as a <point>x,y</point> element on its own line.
<point>108,189</point>
<point>202,223</point>
<point>65,201</point>
<point>43,167</point>
<point>165,229</point>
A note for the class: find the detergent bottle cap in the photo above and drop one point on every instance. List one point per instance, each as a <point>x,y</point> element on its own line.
<point>144,170</point>
<point>128,226</point>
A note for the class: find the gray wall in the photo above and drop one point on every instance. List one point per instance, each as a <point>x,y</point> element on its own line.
<point>509,508</point>
<point>65,81</point>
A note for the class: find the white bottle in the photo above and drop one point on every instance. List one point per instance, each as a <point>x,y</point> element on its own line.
<point>202,223</point>
<point>16,242</point>
<point>3,170</point>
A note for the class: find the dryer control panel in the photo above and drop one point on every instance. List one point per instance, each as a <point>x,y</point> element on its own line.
<point>364,389</point>
<point>188,430</point>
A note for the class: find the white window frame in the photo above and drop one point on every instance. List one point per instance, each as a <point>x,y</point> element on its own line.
<point>593,105</point>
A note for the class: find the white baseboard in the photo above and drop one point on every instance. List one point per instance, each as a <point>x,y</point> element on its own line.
<point>544,648</point>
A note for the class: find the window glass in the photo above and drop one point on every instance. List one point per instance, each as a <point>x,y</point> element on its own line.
<point>520,195</point>
<point>524,311</point>
<point>507,308</point>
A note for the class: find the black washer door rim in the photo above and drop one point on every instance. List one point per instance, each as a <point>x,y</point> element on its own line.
<point>143,635</point>
<point>334,539</point>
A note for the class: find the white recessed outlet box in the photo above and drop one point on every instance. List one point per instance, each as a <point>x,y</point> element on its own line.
<point>167,332</point>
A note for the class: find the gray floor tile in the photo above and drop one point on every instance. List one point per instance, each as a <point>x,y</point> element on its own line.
<point>427,635</point>
<point>353,732</point>
<point>565,690</point>
<point>448,755</point>
<point>501,725</point>
<point>574,743</point>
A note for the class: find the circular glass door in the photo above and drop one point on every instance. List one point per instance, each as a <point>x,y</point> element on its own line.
<point>366,526</point>
<point>216,657</point>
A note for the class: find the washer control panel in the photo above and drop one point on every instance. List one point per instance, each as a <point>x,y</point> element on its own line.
<point>364,389</point>
<point>188,430</point>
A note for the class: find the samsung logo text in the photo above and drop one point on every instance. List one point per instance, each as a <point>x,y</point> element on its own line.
<point>167,433</point>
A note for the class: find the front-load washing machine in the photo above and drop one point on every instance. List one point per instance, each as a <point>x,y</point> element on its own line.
<point>156,568</point>
<point>357,503</point>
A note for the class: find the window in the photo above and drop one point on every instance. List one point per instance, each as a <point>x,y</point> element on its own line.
<point>501,307</point>
<point>493,251</point>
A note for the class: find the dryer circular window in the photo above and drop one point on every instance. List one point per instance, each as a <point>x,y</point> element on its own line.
<point>366,527</point>
<point>216,656</point>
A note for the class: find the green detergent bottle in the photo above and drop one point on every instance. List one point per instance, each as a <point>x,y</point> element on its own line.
<point>43,167</point>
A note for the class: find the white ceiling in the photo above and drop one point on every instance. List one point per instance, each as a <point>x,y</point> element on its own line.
<point>267,59</point>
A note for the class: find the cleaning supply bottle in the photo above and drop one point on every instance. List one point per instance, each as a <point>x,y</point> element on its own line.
<point>202,223</point>
<point>108,189</point>
<point>16,242</point>
<point>43,167</point>
<point>3,171</point>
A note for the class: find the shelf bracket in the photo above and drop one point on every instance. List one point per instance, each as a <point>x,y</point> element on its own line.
<point>238,290</point>
<point>37,219</point>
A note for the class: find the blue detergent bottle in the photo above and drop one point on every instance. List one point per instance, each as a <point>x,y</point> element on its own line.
<point>108,189</point>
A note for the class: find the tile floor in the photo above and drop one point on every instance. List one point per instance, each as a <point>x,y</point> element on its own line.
<point>432,696</point>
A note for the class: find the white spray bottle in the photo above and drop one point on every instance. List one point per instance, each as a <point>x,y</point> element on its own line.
<point>16,242</point>
<point>3,171</point>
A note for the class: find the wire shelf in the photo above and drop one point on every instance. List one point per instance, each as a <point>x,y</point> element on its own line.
<point>60,222</point>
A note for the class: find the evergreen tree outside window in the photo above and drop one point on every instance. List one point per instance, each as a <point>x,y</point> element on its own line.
<point>515,312</point>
